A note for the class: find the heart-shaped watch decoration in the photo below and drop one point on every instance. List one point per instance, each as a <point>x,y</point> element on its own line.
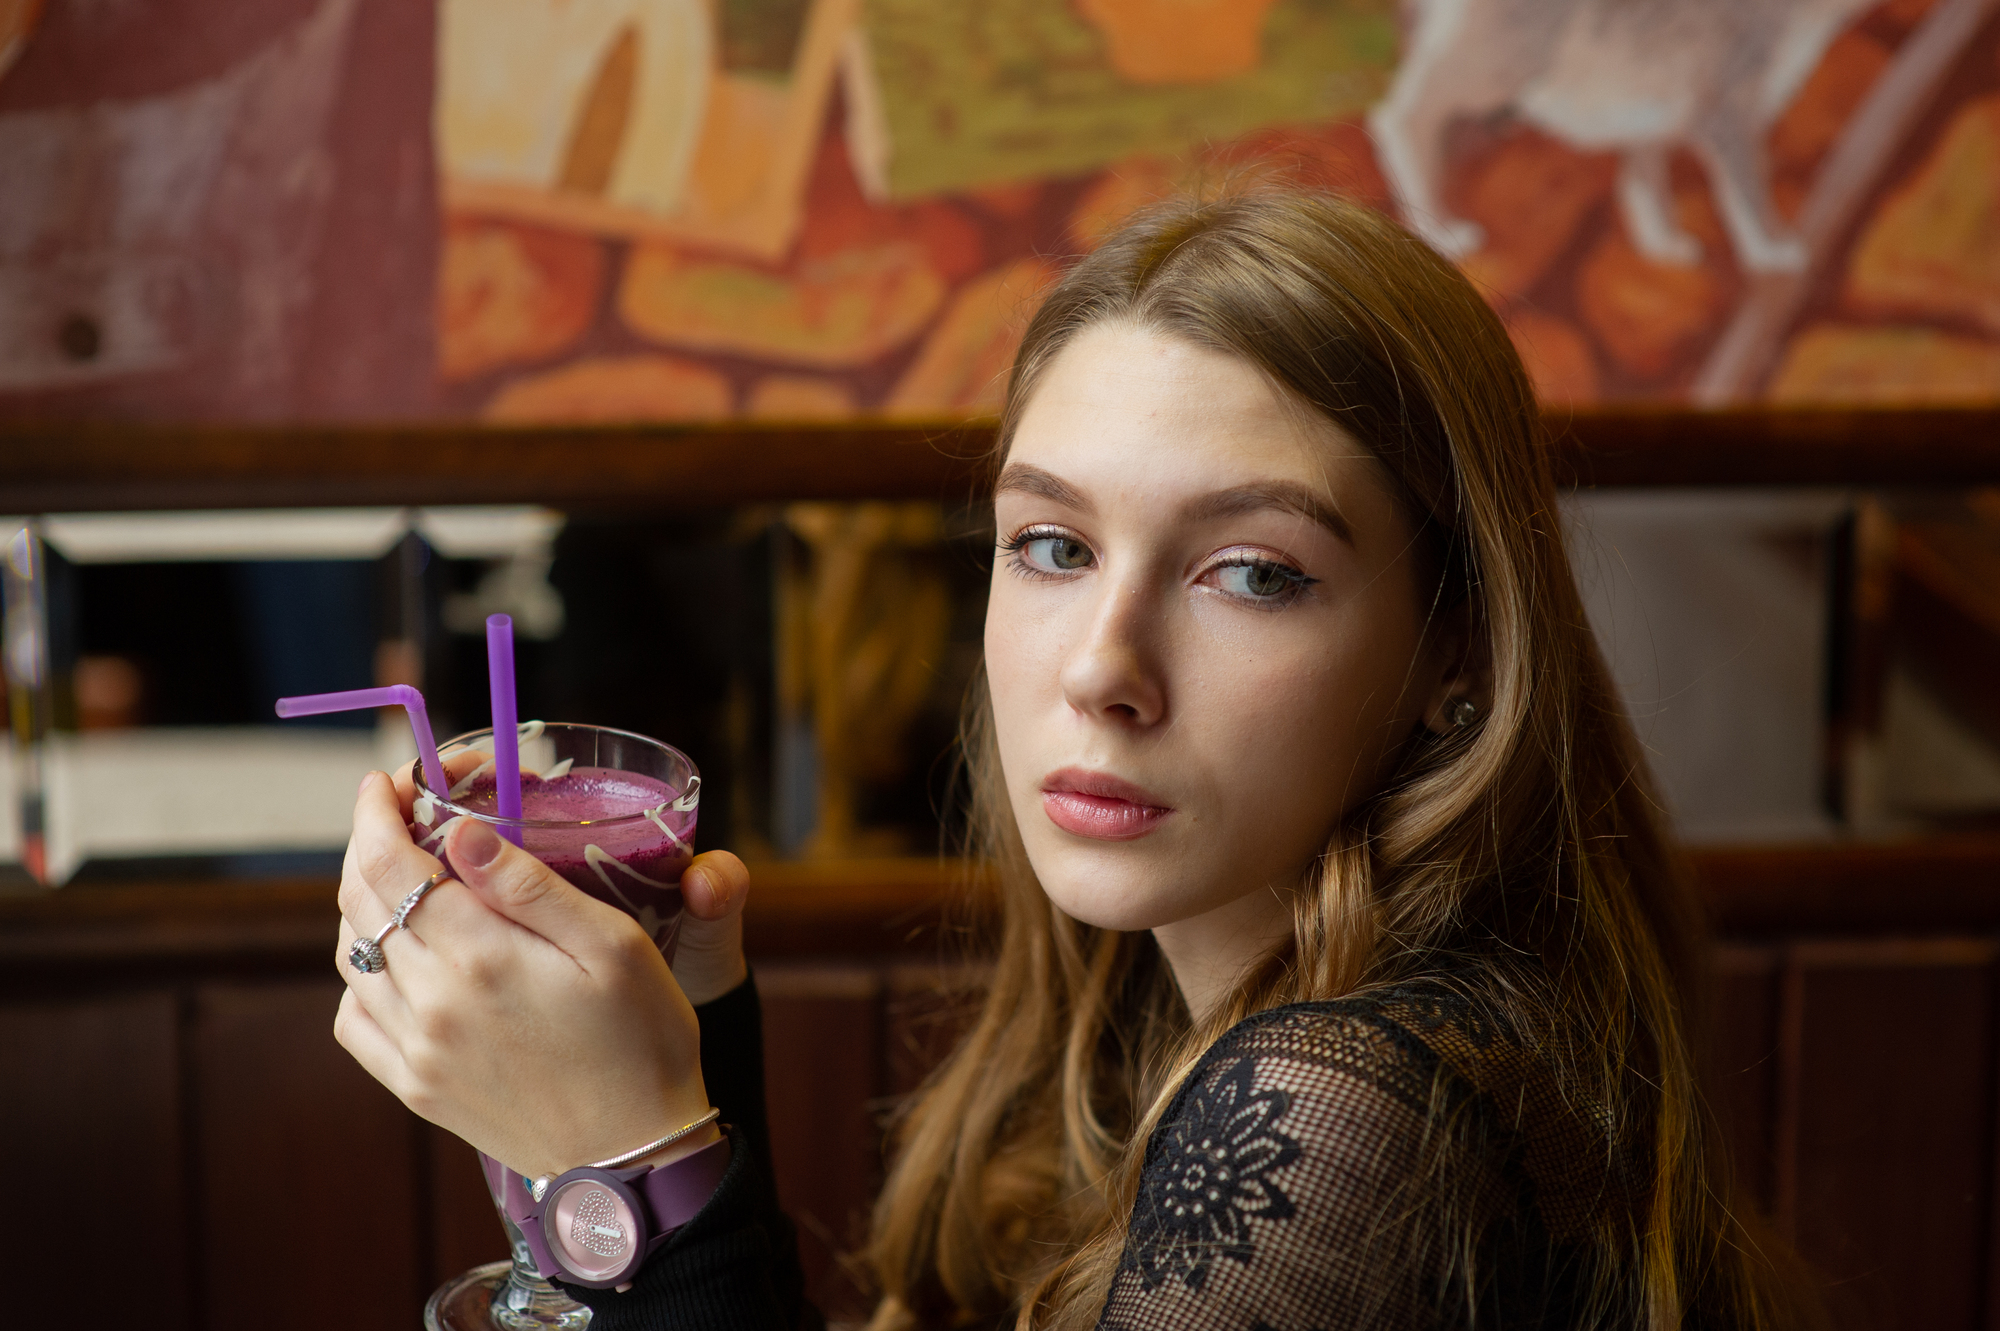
<point>596,1228</point>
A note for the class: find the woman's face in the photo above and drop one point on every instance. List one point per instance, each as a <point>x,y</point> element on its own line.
<point>1204,638</point>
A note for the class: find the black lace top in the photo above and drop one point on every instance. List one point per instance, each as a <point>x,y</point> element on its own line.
<point>1307,1177</point>
<point>1315,1167</point>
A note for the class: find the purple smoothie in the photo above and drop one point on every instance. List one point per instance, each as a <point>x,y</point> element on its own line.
<point>633,861</point>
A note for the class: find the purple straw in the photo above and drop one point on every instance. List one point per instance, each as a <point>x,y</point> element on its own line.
<point>506,726</point>
<point>396,695</point>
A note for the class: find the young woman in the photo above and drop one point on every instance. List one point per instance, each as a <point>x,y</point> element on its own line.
<point>1344,976</point>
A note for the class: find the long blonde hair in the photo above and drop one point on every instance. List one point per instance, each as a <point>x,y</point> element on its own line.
<point>1523,857</point>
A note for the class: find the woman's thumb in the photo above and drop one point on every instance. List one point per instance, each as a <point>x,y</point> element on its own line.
<point>708,962</point>
<point>518,885</point>
<point>715,885</point>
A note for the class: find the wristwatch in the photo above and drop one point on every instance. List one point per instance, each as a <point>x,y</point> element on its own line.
<point>596,1227</point>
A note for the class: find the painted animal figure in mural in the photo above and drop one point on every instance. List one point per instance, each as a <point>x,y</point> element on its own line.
<point>1636,77</point>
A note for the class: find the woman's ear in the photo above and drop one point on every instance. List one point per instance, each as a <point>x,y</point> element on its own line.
<point>1460,671</point>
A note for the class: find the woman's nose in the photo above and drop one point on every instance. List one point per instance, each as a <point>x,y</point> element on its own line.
<point>1114,672</point>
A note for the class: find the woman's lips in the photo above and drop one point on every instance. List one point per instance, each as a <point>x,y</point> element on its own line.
<point>1101,807</point>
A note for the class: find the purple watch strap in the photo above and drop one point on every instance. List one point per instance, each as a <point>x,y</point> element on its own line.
<point>676,1193</point>
<point>673,1195</point>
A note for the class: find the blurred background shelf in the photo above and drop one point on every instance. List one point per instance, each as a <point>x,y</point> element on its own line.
<point>70,467</point>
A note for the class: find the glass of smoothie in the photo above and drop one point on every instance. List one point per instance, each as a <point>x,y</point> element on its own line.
<point>613,813</point>
<point>610,811</point>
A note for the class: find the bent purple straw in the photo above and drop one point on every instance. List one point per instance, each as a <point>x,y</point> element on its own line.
<point>396,695</point>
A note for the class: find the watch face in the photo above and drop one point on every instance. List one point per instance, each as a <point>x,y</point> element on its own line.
<point>592,1229</point>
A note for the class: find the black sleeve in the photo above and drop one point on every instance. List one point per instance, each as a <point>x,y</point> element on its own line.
<point>735,1266</point>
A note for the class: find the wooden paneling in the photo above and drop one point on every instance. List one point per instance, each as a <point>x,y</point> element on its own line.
<point>1742,1049</point>
<point>663,468</point>
<point>1894,1136</point>
<point>823,1074</point>
<point>91,1133</point>
<point>310,1193</point>
<point>1851,1045</point>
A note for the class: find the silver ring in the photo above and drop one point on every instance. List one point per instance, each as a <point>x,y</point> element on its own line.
<point>365,954</point>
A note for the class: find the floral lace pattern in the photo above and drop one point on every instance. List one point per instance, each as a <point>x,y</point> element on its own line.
<point>1302,1176</point>
<point>1210,1178</point>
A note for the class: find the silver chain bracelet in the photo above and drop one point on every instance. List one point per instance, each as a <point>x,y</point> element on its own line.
<point>537,1187</point>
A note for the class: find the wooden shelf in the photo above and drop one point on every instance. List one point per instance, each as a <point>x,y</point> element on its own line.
<point>1915,446</point>
<point>70,467</point>
<point>656,469</point>
<point>872,907</point>
<point>1938,885</point>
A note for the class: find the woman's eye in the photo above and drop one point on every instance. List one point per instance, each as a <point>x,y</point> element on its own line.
<point>1055,554</point>
<point>1261,580</point>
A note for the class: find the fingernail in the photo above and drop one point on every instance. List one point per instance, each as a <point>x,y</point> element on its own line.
<point>718,891</point>
<point>366,777</point>
<point>477,846</point>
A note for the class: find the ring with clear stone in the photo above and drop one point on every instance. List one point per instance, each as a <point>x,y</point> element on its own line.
<point>365,954</point>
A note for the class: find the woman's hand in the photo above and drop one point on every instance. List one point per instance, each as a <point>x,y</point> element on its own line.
<point>708,958</point>
<point>534,1021</point>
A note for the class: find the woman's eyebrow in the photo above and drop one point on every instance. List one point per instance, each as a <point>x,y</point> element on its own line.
<point>1287,495</point>
<point>1026,478</point>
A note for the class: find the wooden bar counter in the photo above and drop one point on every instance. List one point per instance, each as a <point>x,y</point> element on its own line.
<point>168,1046</point>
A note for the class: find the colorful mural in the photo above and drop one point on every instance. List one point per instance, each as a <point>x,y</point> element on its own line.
<point>593,210</point>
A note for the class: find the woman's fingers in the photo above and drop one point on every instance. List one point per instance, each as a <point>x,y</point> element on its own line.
<point>714,885</point>
<point>383,867</point>
<point>514,884</point>
<point>381,851</point>
<point>378,991</point>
